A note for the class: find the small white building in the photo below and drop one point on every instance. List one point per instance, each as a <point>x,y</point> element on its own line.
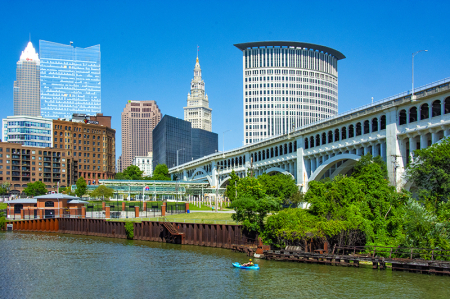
<point>144,163</point>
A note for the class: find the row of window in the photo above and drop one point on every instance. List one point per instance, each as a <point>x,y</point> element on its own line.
<point>275,151</point>
<point>424,113</point>
<point>344,133</point>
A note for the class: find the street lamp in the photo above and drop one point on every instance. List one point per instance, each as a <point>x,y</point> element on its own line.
<point>177,153</point>
<point>223,140</point>
<point>412,90</point>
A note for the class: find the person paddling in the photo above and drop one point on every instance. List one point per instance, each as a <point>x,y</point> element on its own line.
<point>249,264</point>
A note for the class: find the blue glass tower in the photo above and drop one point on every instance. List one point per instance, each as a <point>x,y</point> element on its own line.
<point>70,80</point>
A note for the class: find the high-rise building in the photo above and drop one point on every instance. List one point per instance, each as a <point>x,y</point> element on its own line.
<point>70,80</point>
<point>175,142</point>
<point>28,130</point>
<point>287,85</point>
<point>26,87</point>
<point>139,118</point>
<point>197,111</point>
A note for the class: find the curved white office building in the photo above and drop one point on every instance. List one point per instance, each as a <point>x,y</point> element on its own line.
<point>287,85</point>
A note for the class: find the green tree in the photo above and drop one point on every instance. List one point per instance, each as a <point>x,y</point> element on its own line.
<point>429,172</point>
<point>250,187</point>
<point>232,186</point>
<point>356,210</point>
<point>161,173</point>
<point>252,211</point>
<point>81,187</point>
<point>35,189</point>
<point>252,204</point>
<point>120,176</point>
<point>131,173</point>
<point>296,198</point>
<point>4,188</point>
<point>102,191</point>
<point>280,185</point>
<point>423,229</point>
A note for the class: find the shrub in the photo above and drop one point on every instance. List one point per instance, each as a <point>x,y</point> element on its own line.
<point>2,223</point>
<point>129,230</point>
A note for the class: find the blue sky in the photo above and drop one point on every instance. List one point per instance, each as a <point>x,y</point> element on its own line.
<point>148,47</point>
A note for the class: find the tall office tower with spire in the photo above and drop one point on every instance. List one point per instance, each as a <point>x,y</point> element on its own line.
<point>139,118</point>
<point>70,80</point>
<point>26,86</point>
<point>197,111</point>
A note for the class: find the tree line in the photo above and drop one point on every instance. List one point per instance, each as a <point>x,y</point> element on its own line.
<point>357,209</point>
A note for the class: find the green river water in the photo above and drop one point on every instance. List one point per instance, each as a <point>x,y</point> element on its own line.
<point>39,265</point>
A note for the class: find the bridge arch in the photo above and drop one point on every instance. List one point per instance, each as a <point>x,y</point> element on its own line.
<point>201,171</point>
<point>344,168</point>
<point>280,170</point>
<point>224,181</point>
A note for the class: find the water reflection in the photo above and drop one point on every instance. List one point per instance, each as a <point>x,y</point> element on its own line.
<point>68,266</point>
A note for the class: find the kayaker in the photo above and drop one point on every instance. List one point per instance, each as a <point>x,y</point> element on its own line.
<point>249,264</point>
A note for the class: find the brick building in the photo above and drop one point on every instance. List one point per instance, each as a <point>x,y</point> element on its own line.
<point>89,141</point>
<point>20,165</point>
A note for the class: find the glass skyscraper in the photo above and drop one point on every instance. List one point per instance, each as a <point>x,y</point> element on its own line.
<point>173,135</point>
<point>70,80</point>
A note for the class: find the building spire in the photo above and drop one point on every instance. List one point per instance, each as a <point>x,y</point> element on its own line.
<point>198,48</point>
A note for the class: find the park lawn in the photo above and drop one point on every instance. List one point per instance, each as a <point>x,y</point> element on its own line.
<point>208,218</point>
<point>219,218</point>
<point>192,207</point>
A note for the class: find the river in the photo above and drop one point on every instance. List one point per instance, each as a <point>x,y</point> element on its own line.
<point>40,265</point>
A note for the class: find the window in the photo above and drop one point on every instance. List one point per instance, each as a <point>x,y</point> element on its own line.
<point>17,208</point>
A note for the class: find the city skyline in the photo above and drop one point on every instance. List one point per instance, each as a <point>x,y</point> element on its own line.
<point>378,44</point>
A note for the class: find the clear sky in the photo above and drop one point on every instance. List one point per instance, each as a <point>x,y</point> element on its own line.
<point>149,47</point>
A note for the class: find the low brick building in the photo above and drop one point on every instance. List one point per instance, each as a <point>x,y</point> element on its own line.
<point>45,206</point>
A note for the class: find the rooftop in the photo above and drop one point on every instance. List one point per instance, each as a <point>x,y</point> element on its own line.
<point>289,44</point>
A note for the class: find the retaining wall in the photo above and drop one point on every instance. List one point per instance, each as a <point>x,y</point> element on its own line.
<point>211,235</point>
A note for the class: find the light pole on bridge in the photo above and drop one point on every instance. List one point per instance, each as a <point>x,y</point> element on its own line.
<point>223,141</point>
<point>177,153</point>
<point>412,89</point>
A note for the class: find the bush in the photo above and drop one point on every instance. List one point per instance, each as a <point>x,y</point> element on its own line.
<point>129,230</point>
<point>2,223</point>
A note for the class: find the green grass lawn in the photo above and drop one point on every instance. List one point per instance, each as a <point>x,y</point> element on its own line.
<point>3,206</point>
<point>209,218</point>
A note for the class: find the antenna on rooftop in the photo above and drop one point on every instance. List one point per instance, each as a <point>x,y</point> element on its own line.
<point>372,100</point>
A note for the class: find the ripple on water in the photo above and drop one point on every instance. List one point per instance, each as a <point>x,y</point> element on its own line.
<point>69,266</point>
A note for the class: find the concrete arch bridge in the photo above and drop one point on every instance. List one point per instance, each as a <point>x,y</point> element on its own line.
<point>392,128</point>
